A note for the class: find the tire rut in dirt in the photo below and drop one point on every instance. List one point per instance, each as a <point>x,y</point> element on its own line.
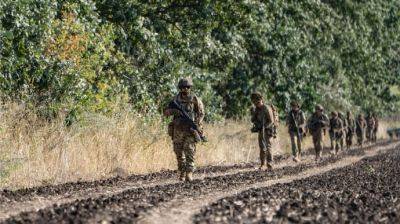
<point>366,192</point>
<point>72,187</point>
<point>127,206</point>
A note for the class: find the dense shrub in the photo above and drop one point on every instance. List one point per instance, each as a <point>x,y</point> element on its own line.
<point>97,55</point>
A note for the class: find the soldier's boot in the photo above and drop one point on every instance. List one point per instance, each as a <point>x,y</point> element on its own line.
<point>296,158</point>
<point>269,166</point>
<point>182,176</point>
<point>262,167</point>
<point>189,176</point>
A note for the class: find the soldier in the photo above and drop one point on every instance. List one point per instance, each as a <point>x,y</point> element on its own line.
<point>296,126</point>
<point>351,126</point>
<point>344,130</point>
<point>262,119</point>
<point>184,137</point>
<point>335,131</point>
<point>370,127</point>
<point>317,125</point>
<point>376,127</point>
<point>360,129</point>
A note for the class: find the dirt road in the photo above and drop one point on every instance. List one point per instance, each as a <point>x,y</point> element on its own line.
<point>160,198</point>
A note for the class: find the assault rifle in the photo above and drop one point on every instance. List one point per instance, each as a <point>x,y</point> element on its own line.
<point>187,119</point>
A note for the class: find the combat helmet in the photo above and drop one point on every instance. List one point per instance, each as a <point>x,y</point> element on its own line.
<point>256,96</point>
<point>319,107</point>
<point>294,103</point>
<point>185,82</point>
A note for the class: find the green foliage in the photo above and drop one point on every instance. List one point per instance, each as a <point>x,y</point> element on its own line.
<point>75,55</point>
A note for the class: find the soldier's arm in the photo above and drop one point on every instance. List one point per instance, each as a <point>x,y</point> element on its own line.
<point>302,120</point>
<point>253,115</point>
<point>268,115</point>
<point>325,121</point>
<point>199,109</point>
<point>287,118</point>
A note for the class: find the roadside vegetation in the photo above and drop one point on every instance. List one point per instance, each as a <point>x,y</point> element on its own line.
<point>83,82</point>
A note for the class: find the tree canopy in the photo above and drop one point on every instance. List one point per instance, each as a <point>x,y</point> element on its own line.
<point>98,55</point>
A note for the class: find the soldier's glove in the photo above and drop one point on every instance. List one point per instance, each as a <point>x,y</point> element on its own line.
<point>254,129</point>
<point>175,112</point>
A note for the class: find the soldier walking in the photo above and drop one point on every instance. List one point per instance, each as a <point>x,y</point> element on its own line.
<point>376,127</point>
<point>317,125</point>
<point>370,127</point>
<point>344,130</point>
<point>263,124</point>
<point>335,132</point>
<point>295,121</point>
<point>351,126</point>
<point>184,136</point>
<point>360,129</point>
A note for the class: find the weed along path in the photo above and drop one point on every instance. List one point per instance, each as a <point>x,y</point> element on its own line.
<point>158,197</point>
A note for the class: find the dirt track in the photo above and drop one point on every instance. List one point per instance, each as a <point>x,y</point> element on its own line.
<point>159,197</point>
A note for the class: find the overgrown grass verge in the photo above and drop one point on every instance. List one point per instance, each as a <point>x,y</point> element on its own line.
<point>37,152</point>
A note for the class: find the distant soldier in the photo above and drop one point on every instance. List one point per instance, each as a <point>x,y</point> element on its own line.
<point>317,125</point>
<point>296,121</point>
<point>344,130</point>
<point>351,128</point>
<point>183,135</point>
<point>376,127</point>
<point>370,127</point>
<point>263,123</point>
<point>360,129</point>
<point>335,131</point>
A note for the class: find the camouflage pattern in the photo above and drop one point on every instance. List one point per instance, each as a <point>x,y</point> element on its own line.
<point>351,128</point>
<point>184,139</point>
<point>317,125</point>
<point>376,128</point>
<point>295,121</point>
<point>370,127</point>
<point>360,129</point>
<point>185,82</point>
<point>335,132</point>
<point>344,130</point>
<point>263,121</point>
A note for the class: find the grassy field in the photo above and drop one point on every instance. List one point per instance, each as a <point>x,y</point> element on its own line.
<point>36,152</point>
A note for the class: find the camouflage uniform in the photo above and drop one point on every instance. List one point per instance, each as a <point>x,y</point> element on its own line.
<point>317,125</point>
<point>370,127</point>
<point>295,121</point>
<point>183,137</point>
<point>351,127</point>
<point>376,127</point>
<point>262,119</point>
<point>344,130</point>
<point>360,129</point>
<point>335,132</point>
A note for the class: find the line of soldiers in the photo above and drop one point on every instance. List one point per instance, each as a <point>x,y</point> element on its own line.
<point>341,129</point>
<point>187,111</point>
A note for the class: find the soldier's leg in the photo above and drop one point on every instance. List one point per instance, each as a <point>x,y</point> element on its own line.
<point>293,142</point>
<point>178,149</point>
<point>268,152</point>
<point>342,141</point>
<point>348,139</point>
<point>262,147</point>
<point>317,145</point>
<point>337,145</point>
<point>332,141</point>
<point>361,139</point>
<point>299,146</point>
<point>190,151</point>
